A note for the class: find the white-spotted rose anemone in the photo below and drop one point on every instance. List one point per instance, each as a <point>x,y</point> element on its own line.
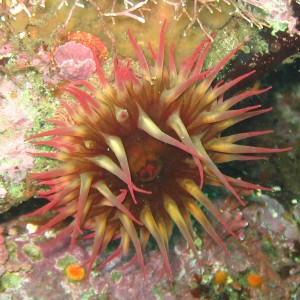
<point>135,156</point>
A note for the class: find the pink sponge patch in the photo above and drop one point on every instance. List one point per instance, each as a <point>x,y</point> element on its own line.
<point>75,61</point>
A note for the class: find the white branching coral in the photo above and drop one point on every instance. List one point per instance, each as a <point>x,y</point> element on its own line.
<point>276,14</point>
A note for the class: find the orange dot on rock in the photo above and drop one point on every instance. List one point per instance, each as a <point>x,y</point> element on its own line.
<point>75,272</point>
<point>254,280</point>
<point>220,277</point>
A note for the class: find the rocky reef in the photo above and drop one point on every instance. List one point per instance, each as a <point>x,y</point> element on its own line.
<point>47,44</point>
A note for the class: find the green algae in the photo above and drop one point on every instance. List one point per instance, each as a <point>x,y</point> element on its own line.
<point>32,251</point>
<point>10,280</point>
<point>268,248</point>
<point>63,262</point>
<point>17,191</point>
<point>198,243</point>
<point>12,249</point>
<point>89,295</point>
<point>160,291</point>
<point>115,276</point>
<point>105,294</point>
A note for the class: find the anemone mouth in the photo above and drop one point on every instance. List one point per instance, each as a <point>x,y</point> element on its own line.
<point>146,157</point>
<point>155,167</point>
<point>135,157</point>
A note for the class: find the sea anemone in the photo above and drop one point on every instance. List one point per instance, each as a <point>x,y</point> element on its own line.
<point>254,280</point>
<point>135,154</point>
<point>75,272</point>
<point>220,277</point>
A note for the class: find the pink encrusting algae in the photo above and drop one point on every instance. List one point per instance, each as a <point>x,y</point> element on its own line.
<point>135,156</point>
